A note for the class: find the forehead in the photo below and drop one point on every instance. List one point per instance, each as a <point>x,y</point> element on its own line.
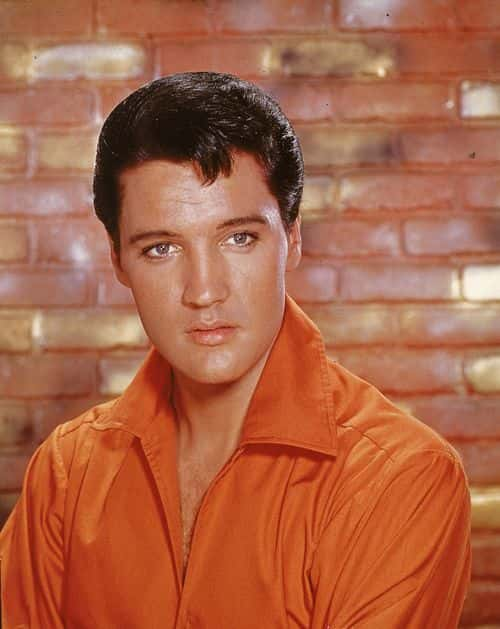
<point>166,194</point>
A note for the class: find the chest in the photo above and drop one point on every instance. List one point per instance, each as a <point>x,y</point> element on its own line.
<point>194,479</point>
<point>253,540</point>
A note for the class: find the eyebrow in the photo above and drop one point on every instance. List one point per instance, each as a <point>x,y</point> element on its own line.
<point>232,222</point>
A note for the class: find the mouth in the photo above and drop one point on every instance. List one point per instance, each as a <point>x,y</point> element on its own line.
<point>215,336</point>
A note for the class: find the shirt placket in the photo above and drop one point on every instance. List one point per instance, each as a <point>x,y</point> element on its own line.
<point>188,617</point>
<point>159,447</point>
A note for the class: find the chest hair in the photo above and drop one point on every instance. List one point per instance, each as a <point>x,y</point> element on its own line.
<point>194,479</point>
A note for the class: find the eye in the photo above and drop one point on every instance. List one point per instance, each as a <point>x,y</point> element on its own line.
<point>157,251</point>
<point>163,249</point>
<point>242,237</point>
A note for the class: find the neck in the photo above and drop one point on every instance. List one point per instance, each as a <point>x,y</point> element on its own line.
<point>210,416</point>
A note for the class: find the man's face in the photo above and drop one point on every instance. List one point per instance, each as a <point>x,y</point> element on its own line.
<point>205,272</point>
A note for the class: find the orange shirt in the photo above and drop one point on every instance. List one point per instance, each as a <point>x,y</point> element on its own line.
<point>336,510</point>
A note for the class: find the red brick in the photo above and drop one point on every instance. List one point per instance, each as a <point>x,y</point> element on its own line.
<point>482,605</point>
<point>12,469</point>
<point>15,61</point>
<point>381,191</point>
<point>52,288</point>
<point>464,324</point>
<point>340,57</point>
<point>392,101</point>
<point>45,197</point>
<point>452,145</point>
<point>481,282</point>
<point>485,508</point>
<point>72,151</point>
<point>396,15</point>
<point>486,556</point>
<point>172,17</point>
<point>354,325</point>
<point>48,414</point>
<point>14,242</point>
<point>7,503</point>
<point>447,56</point>
<point>480,100</point>
<point>328,145</point>
<point>15,424</point>
<point>482,191</point>
<point>272,15</point>
<point>50,105</point>
<point>75,242</point>
<point>404,371</point>
<point>46,375</point>
<point>481,460</point>
<point>388,282</point>
<point>482,372</point>
<point>312,281</point>
<point>345,237</point>
<point>90,329</point>
<point>302,100</point>
<point>39,18</point>
<point>318,196</point>
<point>458,417</point>
<point>101,59</point>
<point>111,95</point>
<point>111,293</point>
<point>16,330</point>
<point>244,58</point>
<point>445,236</point>
<point>13,151</point>
<point>478,14</point>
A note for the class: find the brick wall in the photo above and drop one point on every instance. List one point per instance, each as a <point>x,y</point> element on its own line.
<point>397,104</point>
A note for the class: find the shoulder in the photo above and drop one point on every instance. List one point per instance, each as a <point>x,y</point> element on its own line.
<point>45,480</point>
<point>387,457</point>
<point>91,418</point>
<point>73,437</point>
<point>375,433</point>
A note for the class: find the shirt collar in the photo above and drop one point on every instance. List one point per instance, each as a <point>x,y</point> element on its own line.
<point>292,403</point>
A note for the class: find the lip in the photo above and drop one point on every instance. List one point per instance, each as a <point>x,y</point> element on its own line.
<point>212,325</point>
<point>214,336</point>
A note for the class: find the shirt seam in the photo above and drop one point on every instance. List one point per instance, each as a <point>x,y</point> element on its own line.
<point>371,439</point>
<point>58,457</point>
<point>405,452</point>
<point>91,422</point>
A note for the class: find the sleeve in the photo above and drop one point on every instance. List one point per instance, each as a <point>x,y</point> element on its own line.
<point>31,545</point>
<point>398,555</point>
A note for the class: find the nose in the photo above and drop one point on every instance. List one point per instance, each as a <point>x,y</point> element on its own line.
<point>205,279</point>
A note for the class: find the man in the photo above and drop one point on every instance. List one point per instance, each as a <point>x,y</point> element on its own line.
<point>243,479</point>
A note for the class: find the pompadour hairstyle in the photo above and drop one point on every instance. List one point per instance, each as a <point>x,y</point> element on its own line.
<point>203,118</point>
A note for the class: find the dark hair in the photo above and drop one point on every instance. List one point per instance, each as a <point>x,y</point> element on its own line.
<point>203,118</point>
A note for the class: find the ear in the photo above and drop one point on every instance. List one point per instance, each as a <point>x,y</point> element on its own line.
<point>294,245</point>
<point>120,274</point>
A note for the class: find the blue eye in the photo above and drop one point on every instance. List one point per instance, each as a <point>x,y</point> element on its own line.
<point>163,249</point>
<point>157,251</point>
<point>246,234</point>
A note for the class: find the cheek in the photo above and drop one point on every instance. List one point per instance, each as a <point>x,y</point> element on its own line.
<point>154,296</point>
<point>150,278</point>
<point>271,270</point>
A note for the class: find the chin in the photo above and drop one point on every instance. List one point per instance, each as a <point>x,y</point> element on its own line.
<point>214,368</point>
<point>212,375</point>
<point>217,378</point>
